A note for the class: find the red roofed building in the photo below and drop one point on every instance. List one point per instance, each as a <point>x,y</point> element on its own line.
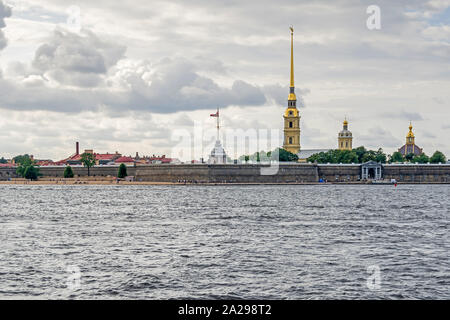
<point>161,160</point>
<point>7,165</point>
<point>125,160</point>
<point>44,163</point>
<point>100,158</point>
<point>106,158</point>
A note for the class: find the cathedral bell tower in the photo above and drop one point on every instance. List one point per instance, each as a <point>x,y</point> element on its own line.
<point>345,138</point>
<point>291,115</point>
<point>410,138</point>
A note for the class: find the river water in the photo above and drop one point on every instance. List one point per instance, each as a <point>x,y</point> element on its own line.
<point>225,242</point>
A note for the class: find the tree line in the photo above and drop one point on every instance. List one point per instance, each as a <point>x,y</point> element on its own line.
<point>276,155</point>
<point>28,169</point>
<point>358,155</point>
<point>362,155</point>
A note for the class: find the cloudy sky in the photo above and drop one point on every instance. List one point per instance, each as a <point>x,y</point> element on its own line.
<point>125,77</point>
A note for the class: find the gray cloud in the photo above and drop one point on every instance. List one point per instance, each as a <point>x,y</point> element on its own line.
<point>377,137</point>
<point>98,82</point>
<point>175,85</point>
<point>427,134</point>
<point>403,114</point>
<point>5,12</point>
<point>76,59</point>
<point>279,95</point>
<point>438,100</point>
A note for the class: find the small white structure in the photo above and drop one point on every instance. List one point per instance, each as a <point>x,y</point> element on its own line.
<point>218,155</point>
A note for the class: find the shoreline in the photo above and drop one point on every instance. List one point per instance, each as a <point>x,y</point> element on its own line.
<point>153,183</point>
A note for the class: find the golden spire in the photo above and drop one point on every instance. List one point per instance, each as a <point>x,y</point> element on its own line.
<point>292,95</point>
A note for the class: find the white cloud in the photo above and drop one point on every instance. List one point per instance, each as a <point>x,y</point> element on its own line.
<point>5,12</point>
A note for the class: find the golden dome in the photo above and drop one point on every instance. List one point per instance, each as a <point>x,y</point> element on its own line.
<point>346,123</point>
<point>410,133</point>
<point>292,97</point>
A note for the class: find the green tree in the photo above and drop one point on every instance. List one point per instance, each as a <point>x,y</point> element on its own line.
<point>31,173</point>
<point>21,158</point>
<point>396,157</point>
<point>68,172</point>
<point>122,171</point>
<point>358,155</point>
<point>284,156</point>
<point>26,168</point>
<point>423,158</point>
<point>360,152</point>
<point>335,156</point>
<point>370,155</point>
<point>410,156</point>
<point>88,160</point>
<point>380,156</point>
<point>438,157</point>
<point>349,157</point>
<point>3,160</point>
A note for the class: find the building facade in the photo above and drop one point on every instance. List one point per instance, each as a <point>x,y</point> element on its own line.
<point>291,115</point>
<point>345,138</point>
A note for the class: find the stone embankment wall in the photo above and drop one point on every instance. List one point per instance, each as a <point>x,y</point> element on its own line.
<point>339,173</point>
<point>7,173</point>
<point>228,173</point>
<point>427,173</point>
<point>101,171</point>
<point>285,173</point>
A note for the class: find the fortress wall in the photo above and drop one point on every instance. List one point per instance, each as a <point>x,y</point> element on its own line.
<point>58,172</point>
<point>417,173</point>
<point>287,173</point>
<point>340,173</point>
<point>264,174</point>
<point>6,173</point>
<point>172,173</point>
<point>227,173</point>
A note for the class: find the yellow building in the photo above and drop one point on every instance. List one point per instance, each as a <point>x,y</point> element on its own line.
<point>345,138</point>
<point>291,115</point>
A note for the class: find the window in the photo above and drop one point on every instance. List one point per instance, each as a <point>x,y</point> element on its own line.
<point>291,113</point>
<point>346,144</point>
<point>291,124</point>
<point>290,140</point>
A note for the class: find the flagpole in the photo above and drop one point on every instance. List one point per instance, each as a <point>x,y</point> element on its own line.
<point>218,124</point>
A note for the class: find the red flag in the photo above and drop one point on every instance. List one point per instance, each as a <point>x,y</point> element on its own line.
<point>215,115</point>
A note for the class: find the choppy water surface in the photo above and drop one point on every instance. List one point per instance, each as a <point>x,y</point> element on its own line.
<point>273,242</point>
